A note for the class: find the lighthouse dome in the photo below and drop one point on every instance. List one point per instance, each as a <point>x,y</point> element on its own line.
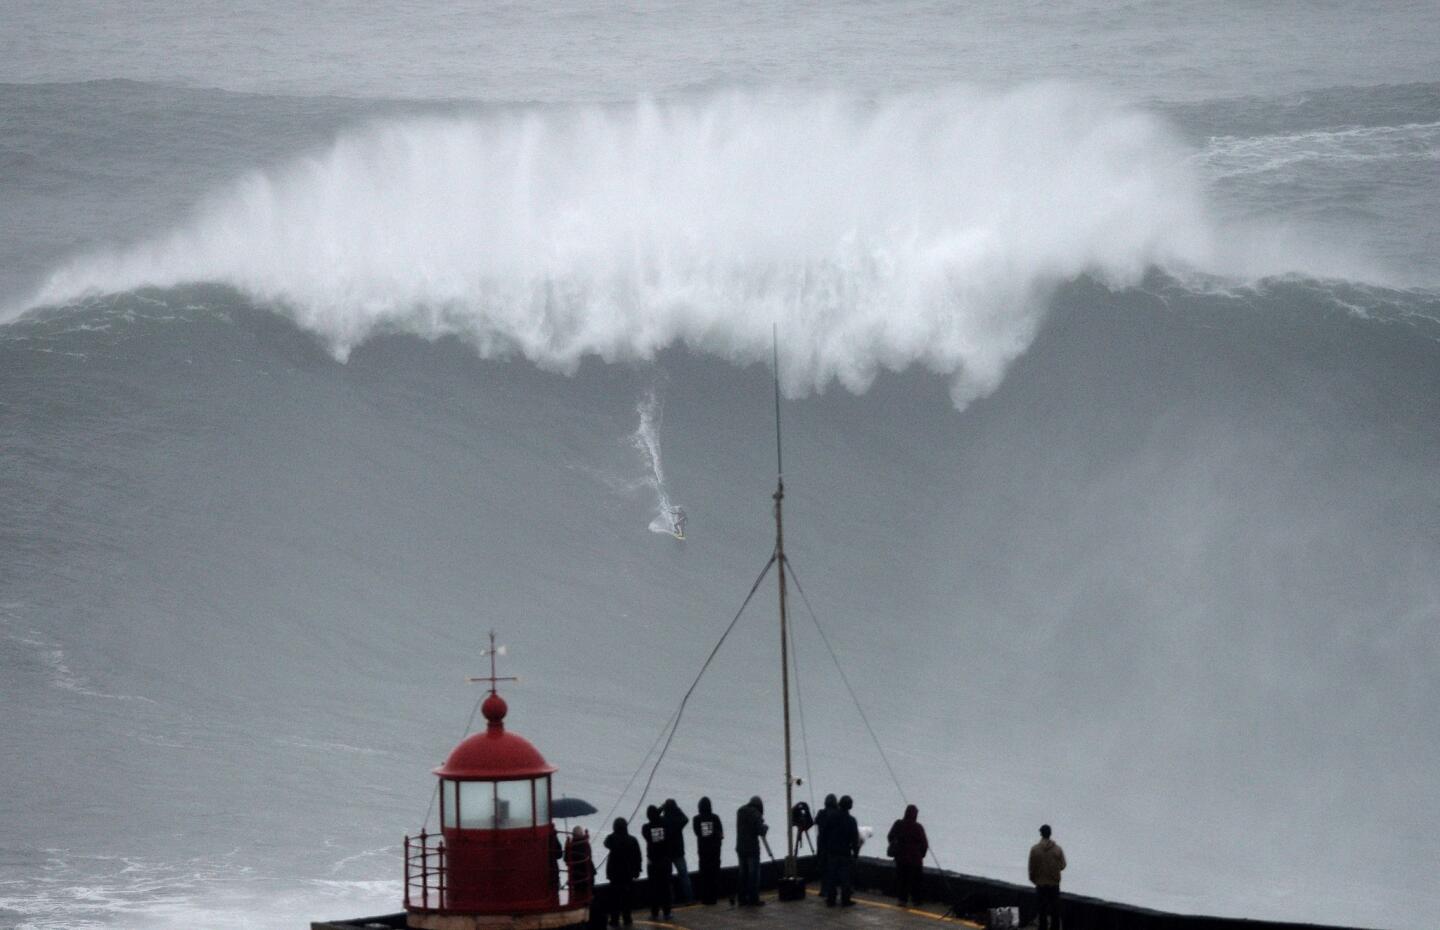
<point>495,752</point>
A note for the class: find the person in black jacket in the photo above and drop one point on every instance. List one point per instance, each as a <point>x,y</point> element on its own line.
<point>622,867</point>
<point>908,846</point>
<point>842,842</point>
<point>657,862</point>
<point>675,820</point>
<point>557,852</point>
<point>750,830</point>
<point>709,835</point>
<point>822,824</point>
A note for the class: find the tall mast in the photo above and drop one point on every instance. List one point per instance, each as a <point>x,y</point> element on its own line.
<point>790,866</point>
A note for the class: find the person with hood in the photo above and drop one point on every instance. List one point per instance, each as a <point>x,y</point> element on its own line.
<point>709,835</point>
<point>622,867</point>
<point>675,820</point>
<point>908,846</point>
<point>577,861</point>
<point>1047,861</point>
<point>822,819</point>
<point>557,852</point>
<point>750,829</point>
<point>842,843</point>
<point>657,862</point>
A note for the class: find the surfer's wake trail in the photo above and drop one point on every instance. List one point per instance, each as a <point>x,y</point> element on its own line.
<point>646,439</point>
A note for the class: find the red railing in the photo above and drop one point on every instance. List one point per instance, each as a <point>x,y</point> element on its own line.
<point>427,876</point>
<point>425,872</point>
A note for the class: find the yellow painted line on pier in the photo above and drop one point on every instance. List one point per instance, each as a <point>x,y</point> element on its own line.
<point>885,905</point>
<point>867,902</point>
<point>770,898</point>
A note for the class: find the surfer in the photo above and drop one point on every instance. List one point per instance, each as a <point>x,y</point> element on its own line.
<point>677,522</point>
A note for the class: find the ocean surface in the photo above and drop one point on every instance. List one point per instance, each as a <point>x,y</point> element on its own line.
<point>335,337</point>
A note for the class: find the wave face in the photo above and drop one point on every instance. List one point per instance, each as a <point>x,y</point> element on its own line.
<point>1177,569</point>
<point>916,230</point>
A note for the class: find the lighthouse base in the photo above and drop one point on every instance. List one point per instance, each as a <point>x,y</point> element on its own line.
<point>549,920</point>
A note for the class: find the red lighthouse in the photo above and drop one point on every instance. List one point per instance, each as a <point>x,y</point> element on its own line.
<point>496,862</point>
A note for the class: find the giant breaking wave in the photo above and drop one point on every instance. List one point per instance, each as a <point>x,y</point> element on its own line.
<point>917,229</point>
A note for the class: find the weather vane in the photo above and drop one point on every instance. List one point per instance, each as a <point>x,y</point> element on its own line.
<point>492,652</point>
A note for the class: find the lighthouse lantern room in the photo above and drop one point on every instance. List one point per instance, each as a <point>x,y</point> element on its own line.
<point>497,861</point>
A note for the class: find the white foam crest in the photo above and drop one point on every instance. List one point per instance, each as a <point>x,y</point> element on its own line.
<point>1226,156</point>
<point>922,229</point>
<point>80,891</point>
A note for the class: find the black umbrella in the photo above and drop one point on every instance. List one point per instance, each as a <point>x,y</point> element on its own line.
<point>565,808</point>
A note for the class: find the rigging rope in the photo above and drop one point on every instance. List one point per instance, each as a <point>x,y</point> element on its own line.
<point>610,815</point>
<point>680,711</point>
<point>846,679</point>
<point>694,684</point>
<point>787,567</point>
<point>468,724</point>
<point>800,706</point>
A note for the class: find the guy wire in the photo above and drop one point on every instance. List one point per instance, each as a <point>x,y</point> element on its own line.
<point>468,723</point>
<point>846,679</point>
<point>669,722</point>
<point>800,706</point>
<point>680,711</point>
<point>861,710</point>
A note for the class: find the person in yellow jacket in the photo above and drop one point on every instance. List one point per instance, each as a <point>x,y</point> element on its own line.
<point>1047,861</point>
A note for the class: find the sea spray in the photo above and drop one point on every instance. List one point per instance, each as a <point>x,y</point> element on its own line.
<point>924,229</point>
<point>646,439</point>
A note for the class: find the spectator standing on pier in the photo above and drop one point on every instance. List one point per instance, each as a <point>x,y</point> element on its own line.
<point>675,821</point>
<point>657,862</point>
<point>709,835</point>
<point>557,852</point>
<point>750,828</point>
<point>1047,861</point>
<point>822,819</point>
<point>842,843</point>
<point>908,846</point>
<point>622,867</point>
<point>577,861</point>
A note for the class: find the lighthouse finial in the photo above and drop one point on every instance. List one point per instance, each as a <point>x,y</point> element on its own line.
<point>492,652</point>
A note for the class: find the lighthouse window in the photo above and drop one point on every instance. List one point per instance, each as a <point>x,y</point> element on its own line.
<point>542,800</point>
<point>513,805</point>
<point>477,805</point>
<point>449,801</point>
